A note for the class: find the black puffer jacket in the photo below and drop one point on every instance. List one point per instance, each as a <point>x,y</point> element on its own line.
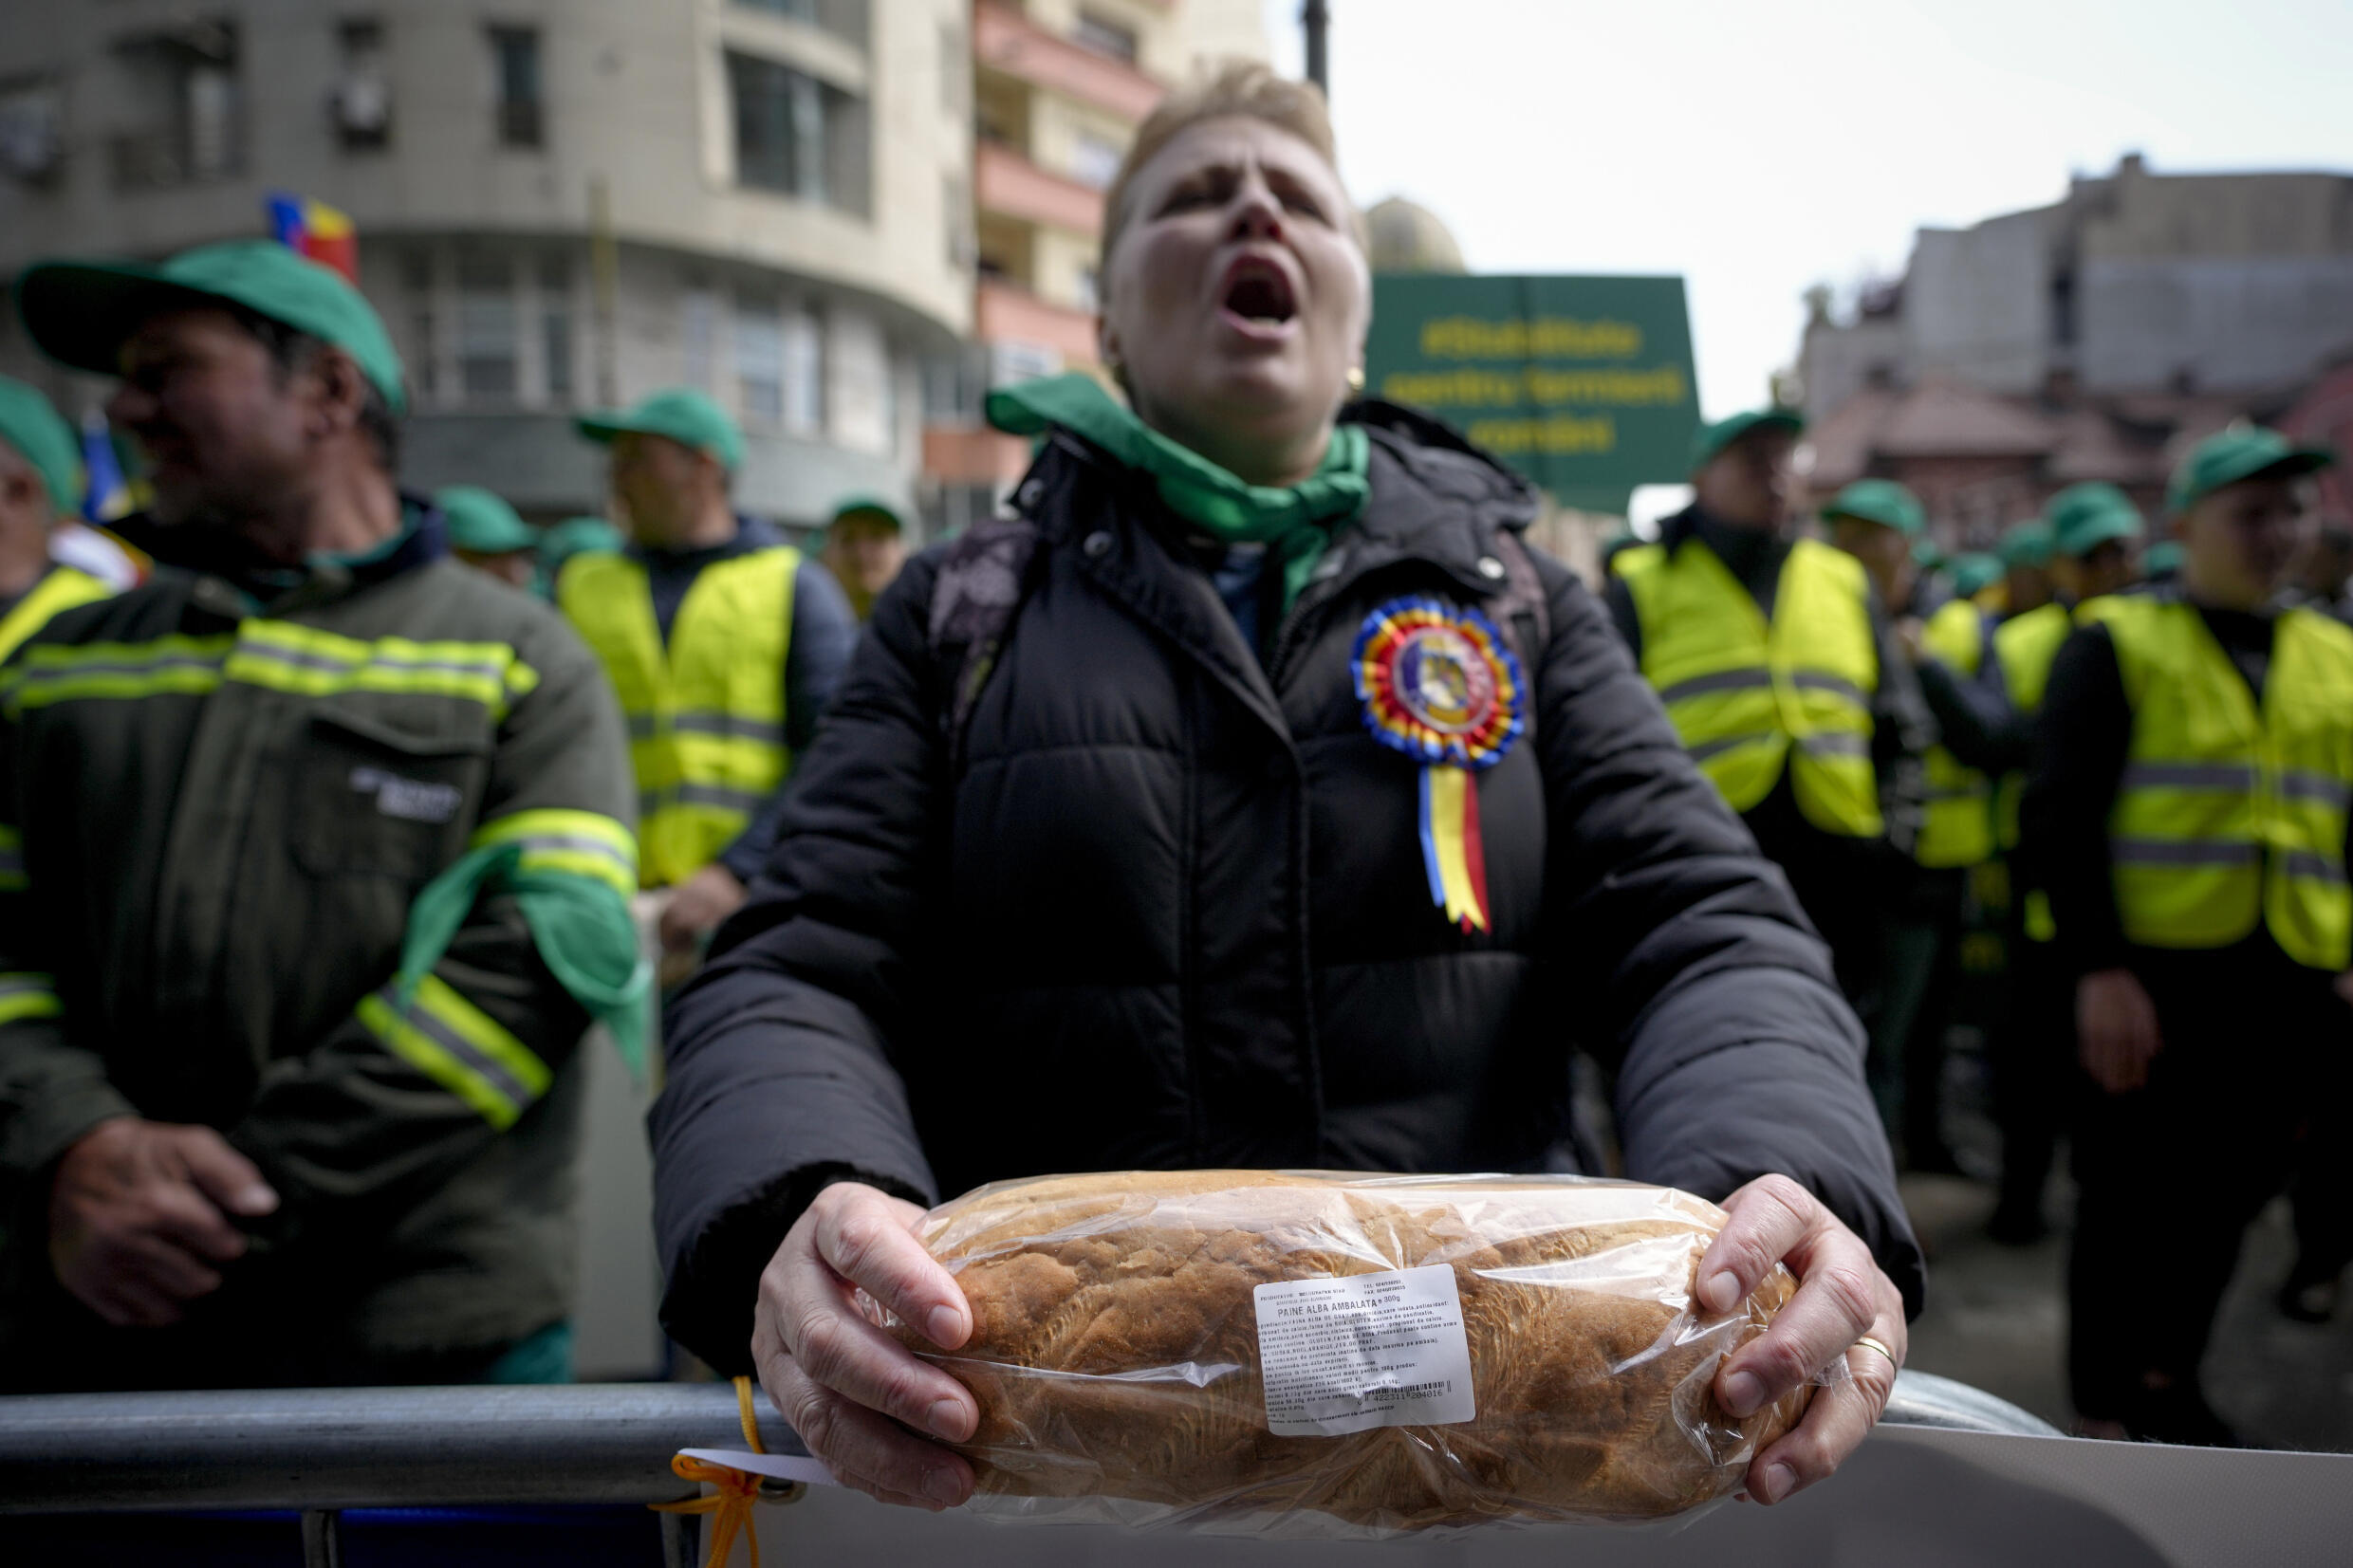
<point>1168,910</point>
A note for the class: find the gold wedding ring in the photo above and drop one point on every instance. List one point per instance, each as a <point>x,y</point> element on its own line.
<point>1867,1342</point>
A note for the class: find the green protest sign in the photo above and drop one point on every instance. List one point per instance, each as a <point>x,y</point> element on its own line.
<point>1583,384</point>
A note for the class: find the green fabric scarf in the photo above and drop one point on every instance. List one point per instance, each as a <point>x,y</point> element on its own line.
<point>1294,522</point>
<point>583,929</point>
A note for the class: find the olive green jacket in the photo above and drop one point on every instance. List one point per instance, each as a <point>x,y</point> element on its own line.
<point>215,814</point>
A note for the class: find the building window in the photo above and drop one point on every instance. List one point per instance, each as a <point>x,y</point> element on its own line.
<point>486,335</point>
<point>797,136</point>
<point>1095,161</point>
<point>780,365</point>
<point>698,335</point>
<point>555,326</point>
<point>845,19</point>
<point>424,356</point>
<point>805,372</point>
<point>185,81</point>
<point>360,101</point>
<point>32,145</point>
<point>760,360</point>
<point>1086,290</point>
<point>514,57</point>
<point>1091,31</point>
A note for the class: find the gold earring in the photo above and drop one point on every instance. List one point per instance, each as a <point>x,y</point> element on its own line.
<point>1355,381</point>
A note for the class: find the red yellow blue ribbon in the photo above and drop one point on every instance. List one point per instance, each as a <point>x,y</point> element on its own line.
<point>1438,684</point>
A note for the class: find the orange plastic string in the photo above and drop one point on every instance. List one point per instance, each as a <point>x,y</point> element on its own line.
<point>737,1490</point>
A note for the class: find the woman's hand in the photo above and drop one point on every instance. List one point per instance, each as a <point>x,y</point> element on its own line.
<point>1842,1296</point>
<point>846,1386</point>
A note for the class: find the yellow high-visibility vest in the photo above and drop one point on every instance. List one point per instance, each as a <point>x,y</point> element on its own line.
<point>2024,646</point>
<point>63,588</point>
<point>1958,830</point>
<point>707,714</point>
<point>1750,696</point>
<point>2227,815</point>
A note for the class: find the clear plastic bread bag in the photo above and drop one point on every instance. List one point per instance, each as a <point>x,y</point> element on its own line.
<point>1315,1354</point>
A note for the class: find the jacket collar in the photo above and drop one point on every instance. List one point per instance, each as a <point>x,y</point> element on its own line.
<point>1435,501</point>
<point>241,584</point>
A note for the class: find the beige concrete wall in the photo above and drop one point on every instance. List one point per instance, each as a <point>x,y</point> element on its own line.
<point>2139,216</point>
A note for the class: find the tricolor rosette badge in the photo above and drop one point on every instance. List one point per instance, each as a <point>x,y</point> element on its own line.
<point>1438,684</point>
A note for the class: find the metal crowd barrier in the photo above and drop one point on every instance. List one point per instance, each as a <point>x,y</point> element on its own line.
<point>322,1450</point>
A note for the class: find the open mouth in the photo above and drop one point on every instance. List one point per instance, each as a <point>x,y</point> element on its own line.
<point>1258,292</point>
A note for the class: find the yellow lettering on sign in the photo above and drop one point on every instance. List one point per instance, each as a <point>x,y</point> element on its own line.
<point>1470,388</point>
<point>1545,338</point>
<point>1558,435</point>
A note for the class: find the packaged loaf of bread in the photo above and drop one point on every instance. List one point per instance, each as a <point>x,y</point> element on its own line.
<point>1308,1352</point>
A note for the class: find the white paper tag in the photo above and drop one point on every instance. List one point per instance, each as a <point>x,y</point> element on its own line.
<point>776,1466</point>
<point>1370,1350</point>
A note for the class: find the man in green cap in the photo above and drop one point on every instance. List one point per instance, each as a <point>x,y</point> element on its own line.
<point>2024,554</point>
<point>1976,571</point>
<point>39,487</point>
<point>865,545</point>
<point>2094,531</point>
<point>1882,525</point>
<point>1777,665</point>
<point>724,645</point>
<point>487,534</point>
<point>2188,816</point>
<point>289,1082</point>
<point>559,541</point>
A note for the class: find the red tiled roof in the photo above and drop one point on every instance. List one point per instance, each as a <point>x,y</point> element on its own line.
<point>1945,418</point>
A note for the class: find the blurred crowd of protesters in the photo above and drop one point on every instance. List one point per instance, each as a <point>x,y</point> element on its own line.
<point>332,816</point>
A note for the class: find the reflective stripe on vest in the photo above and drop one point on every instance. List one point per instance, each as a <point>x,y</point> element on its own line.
<point>1748,696</point>
<point>2227,816</point>
<point>61,589</point>
<point>1958,829</point>
<point>706,713</point>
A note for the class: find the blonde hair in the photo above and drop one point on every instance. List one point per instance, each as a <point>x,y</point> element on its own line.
<point>1238,88</point>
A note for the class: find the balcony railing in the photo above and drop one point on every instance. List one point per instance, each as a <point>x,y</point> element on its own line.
<point>1007,183</point>
<point>1009,41</point>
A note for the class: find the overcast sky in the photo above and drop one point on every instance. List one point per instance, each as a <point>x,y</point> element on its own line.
<point>1758,149</point>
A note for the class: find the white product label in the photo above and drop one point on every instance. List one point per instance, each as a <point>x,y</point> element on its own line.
<point>1371,1349</point>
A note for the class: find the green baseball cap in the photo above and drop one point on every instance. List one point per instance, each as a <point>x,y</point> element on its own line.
<point>2161,559</point>
<point>42,437</point>
<point>2243,451</point>
<point>483,522</point>
<point>579,536</point>
<point>1712,439</point>
<point>874,503</point>
<point>681,414</point>
<point>1974,572</point>
<point>81,312</point>
<point>2083,517</point>
<point>1926,556</point>
<point>1879,501</point>
<point>2027,544</point>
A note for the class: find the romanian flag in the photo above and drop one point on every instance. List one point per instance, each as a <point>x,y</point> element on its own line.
<point>106,498</point>
<point>317,231</point>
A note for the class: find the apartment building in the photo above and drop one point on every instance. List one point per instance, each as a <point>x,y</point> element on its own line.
<point>561,204</point>
<point>1059,87</point>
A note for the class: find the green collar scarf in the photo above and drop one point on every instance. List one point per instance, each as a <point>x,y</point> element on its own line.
<point>1295,521</point>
